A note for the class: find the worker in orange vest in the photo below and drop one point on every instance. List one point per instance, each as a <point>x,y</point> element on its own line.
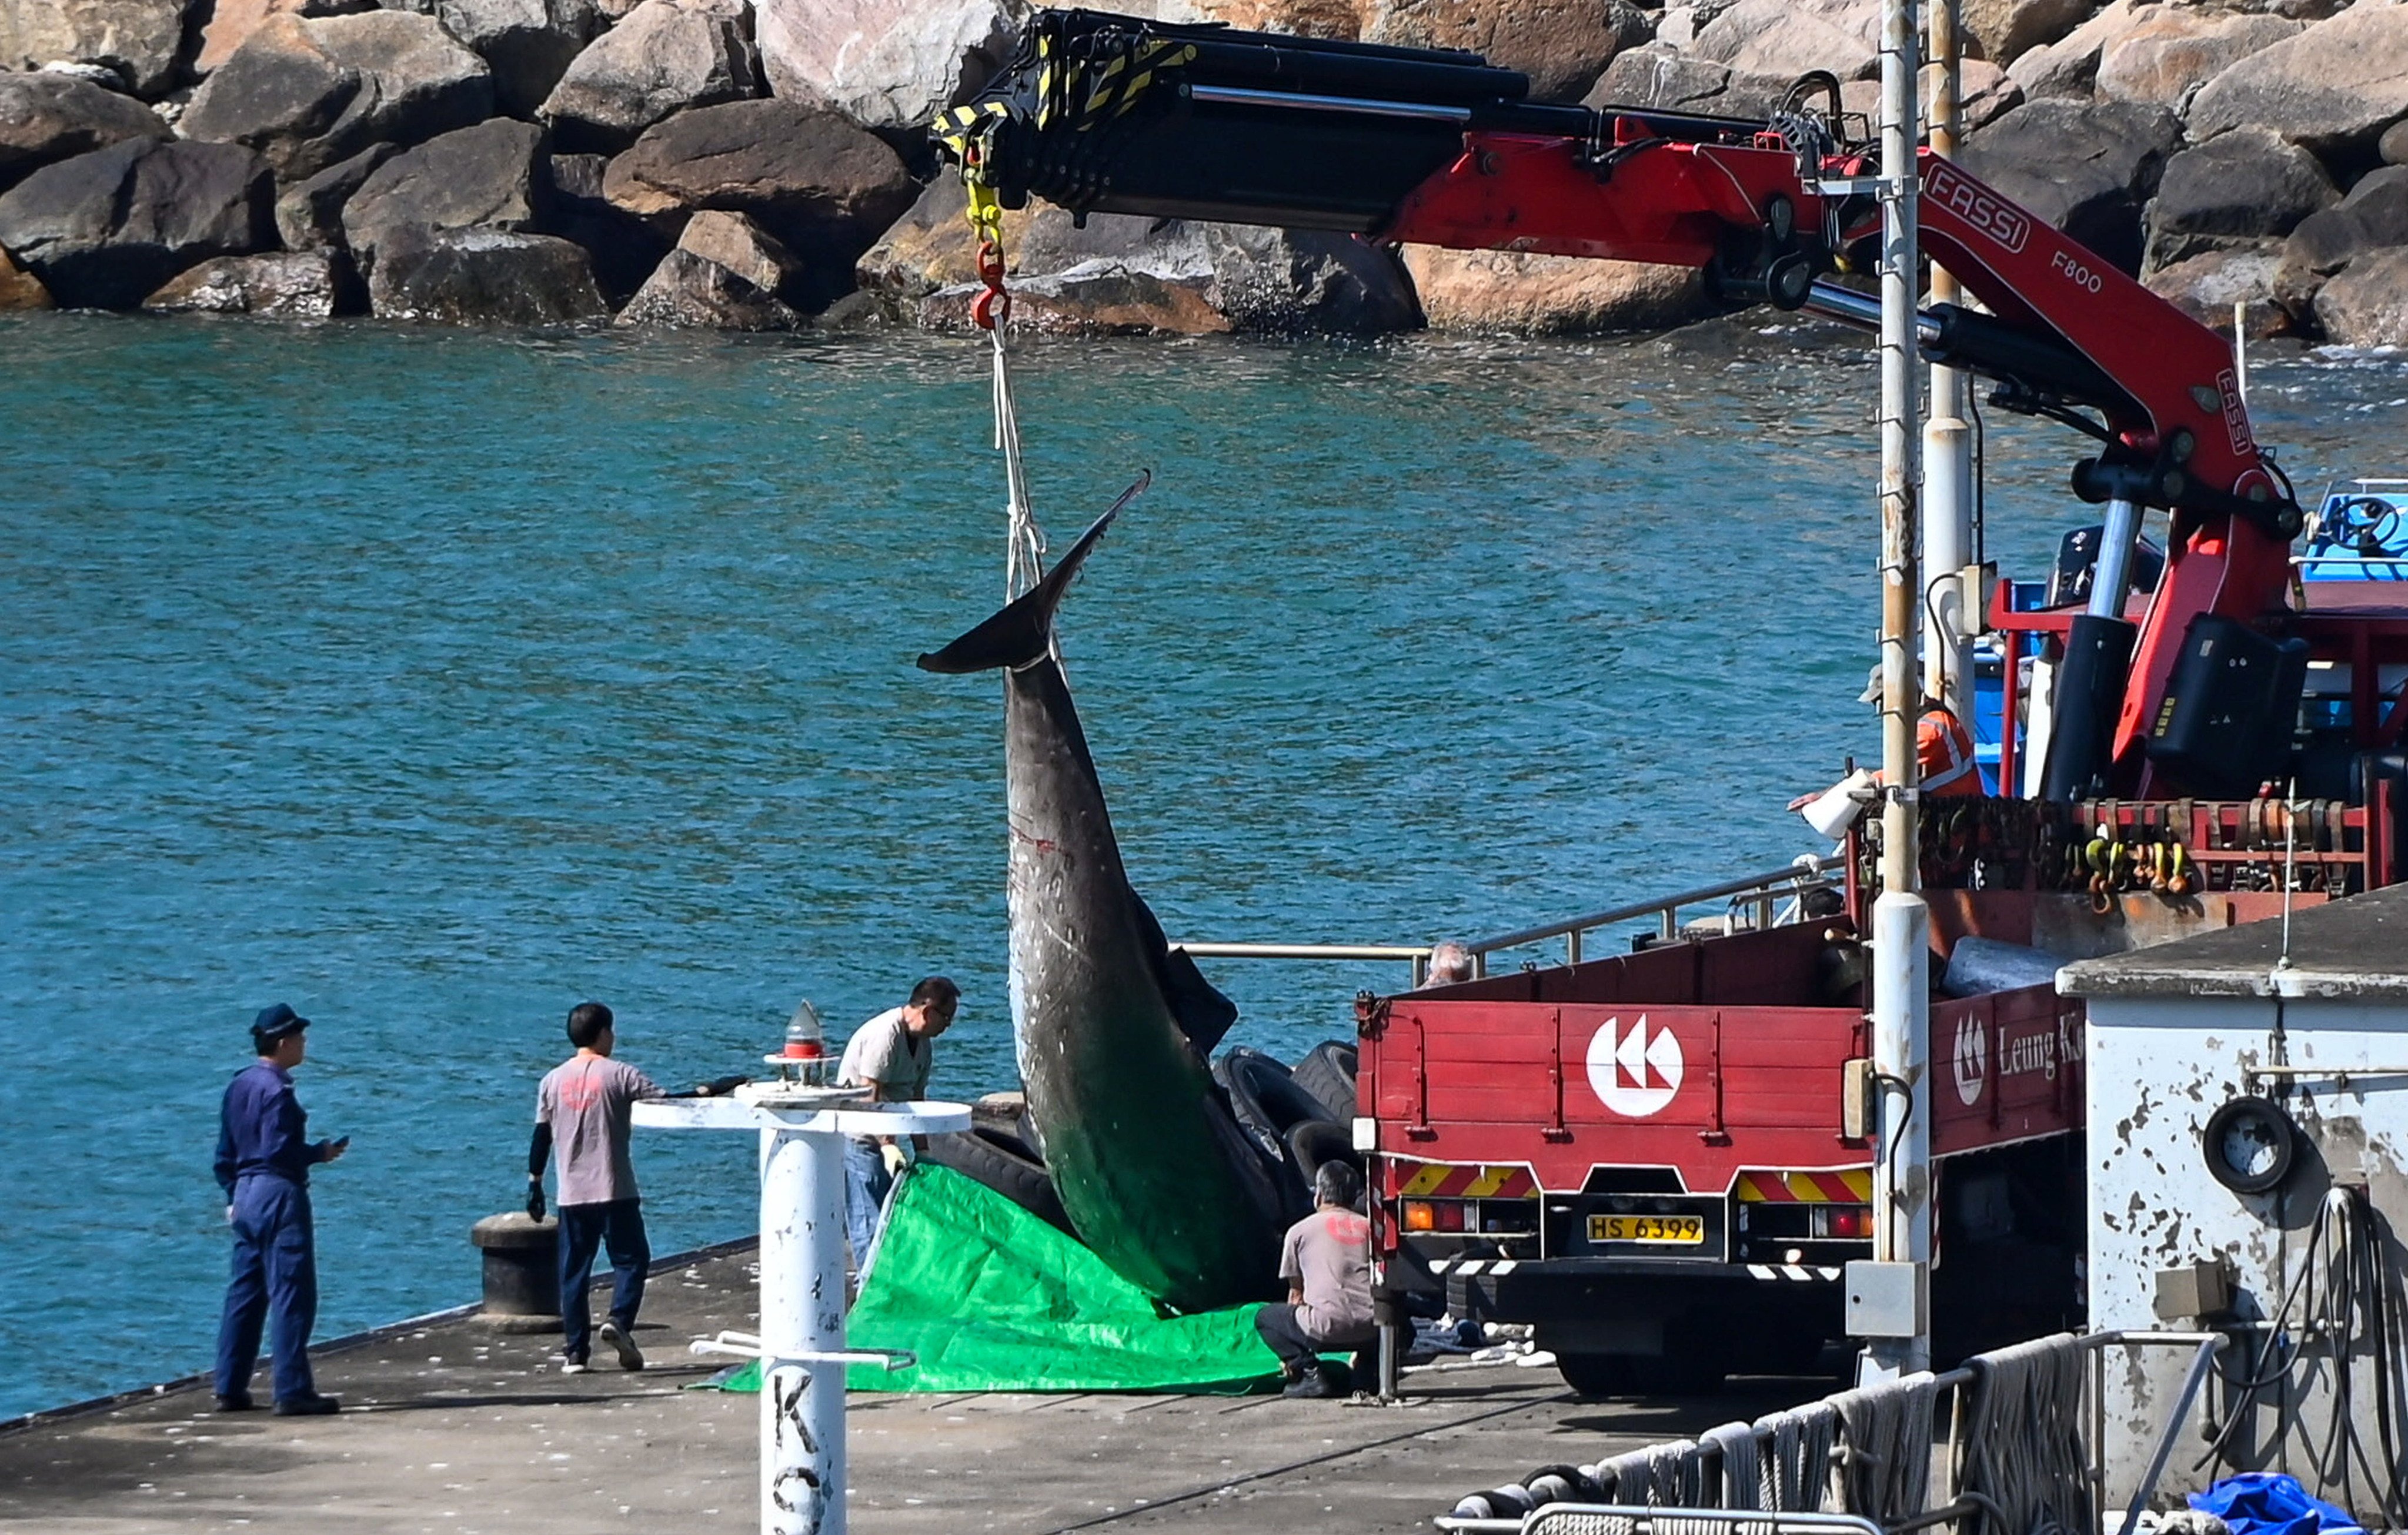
<point>1943,748</point>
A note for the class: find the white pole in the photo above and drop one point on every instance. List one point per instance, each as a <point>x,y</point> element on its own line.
<point>801,1128</point>
<point>1901,923</point>
<point>802,1323</point>
<point>1954,613</point>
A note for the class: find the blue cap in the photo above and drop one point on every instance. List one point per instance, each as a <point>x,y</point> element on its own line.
<point>275,1023</point>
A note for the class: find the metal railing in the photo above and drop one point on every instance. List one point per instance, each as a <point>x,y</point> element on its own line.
<point>1763,892</point>
<point>1949,1499</point>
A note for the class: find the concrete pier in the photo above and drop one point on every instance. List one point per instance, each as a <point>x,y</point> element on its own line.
<point>453,1429</point>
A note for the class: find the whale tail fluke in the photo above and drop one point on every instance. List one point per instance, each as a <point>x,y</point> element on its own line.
<point>1023,633</point>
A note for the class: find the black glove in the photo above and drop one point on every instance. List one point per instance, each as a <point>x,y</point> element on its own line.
<point>720,1086</point>
<point>535,1198</point>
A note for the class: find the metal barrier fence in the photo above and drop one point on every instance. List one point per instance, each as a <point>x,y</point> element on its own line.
<point>2023,1450</point>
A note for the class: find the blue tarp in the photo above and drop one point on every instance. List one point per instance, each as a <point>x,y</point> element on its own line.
<point>2268,1503</point>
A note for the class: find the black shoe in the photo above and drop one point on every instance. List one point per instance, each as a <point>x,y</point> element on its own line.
<point>236,1401</point>
<point>630,1356</point>
<point>310,1406</point>
<point>1313,1385</point>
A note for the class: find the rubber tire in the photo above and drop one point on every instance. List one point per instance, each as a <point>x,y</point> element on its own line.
<point>1002,1162</point>
<point>1328,1072</point>
<point>1265,1103</point>
<point>1317,1140</point>
<point>1595,1377</point>
<point>1265,1095</point>
<point>1599,1376</point>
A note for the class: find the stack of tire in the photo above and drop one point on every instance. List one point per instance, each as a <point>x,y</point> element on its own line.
<point>1296,1118</point>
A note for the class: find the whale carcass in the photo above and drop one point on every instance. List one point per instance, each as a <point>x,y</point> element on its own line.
<point>1112,1026</point>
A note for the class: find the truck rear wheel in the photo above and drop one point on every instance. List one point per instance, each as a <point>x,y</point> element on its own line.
<point>1595,1376</point>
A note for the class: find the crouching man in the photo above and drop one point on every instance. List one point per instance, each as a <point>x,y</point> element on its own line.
<point>1326,1261</point>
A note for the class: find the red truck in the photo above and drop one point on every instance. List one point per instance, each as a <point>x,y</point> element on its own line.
<point>1651,1157</point>
<point>1658,1159</point>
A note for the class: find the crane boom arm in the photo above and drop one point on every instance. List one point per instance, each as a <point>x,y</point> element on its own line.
<point>1113,114</point>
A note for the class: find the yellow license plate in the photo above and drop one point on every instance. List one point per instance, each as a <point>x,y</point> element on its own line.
<point>1671,1231</point>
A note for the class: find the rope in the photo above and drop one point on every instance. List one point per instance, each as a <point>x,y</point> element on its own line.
<point>1023,564</point>
<point>2023,1446</point>
<point>1742,1466</point>
<point>1885,1472</point>
<point>1798,1473</point>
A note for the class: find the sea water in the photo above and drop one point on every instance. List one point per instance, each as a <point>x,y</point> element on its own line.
<point>432,682</point>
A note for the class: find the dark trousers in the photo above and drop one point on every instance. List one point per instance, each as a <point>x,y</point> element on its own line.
<point>867,1183</point>
<point>275,1276</point>
<point>1299,1353</point>
<point>618,1227</point>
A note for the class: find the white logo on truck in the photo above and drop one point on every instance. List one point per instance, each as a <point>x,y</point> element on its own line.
<point>1634,1074</point>
<point>1972,1062</point>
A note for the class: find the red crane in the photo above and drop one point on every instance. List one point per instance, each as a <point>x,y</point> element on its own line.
<point>1111,114</point>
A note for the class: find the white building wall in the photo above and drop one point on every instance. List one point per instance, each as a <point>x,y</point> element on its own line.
<point>2159,1067</point>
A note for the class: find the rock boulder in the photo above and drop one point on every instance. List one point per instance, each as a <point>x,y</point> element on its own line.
<point>723,275</point>
<point>2088,169</point>
<point>626,248</point>
<point>1657,75</point>
<point>287,284</point>
<point>2373,217</point>
<point>488,176</point>
<point>485,276</point>
<point>281,92</point>
<point>2245,186</point>
<point>2168,57</point>
<point>309,216</point>
<point>2331,89</point>
<point>528,44</point>
<point>1174,276</point>
<point>2003,30</point>
<point>1563,46</point>
<point>888,64</point>
<point>2367,304</point>
<point>1788,37</point>
<point>2207,285</point>
<point>105,229</point>
<point>233,22</point>
<point>1985,93</point>
<point>308,93</point>
<point>1095,297</point>
<point>823,186</point>
<point>2393,144</point>
<point>48,117</point>
<point>1550,296</point>
<point>667,56</point>
<point>139,40</point>
<point>1342,20</point>
<point>2069,65</point>
<point>20,290</point>
<point>743,247</point>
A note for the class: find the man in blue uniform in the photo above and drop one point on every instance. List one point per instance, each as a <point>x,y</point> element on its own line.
<point>263,1164</point>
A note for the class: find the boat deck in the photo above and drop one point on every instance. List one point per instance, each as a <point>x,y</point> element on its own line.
<point>454,1427</point>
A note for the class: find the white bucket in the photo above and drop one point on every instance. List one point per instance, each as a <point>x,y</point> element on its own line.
<point>1836,808</point>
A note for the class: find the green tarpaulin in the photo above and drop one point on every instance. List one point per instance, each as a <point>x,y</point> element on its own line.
<point>992,1299</point>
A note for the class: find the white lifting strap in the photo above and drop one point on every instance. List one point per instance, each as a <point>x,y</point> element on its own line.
<point>1025,545</point>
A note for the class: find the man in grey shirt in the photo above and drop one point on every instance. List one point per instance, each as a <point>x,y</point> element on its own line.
<point>585,1110</point>
<point>891,1056</point>
<point>1326,1261</point>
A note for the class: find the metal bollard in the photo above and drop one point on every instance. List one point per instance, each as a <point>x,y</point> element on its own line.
<point>521,1271</point>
